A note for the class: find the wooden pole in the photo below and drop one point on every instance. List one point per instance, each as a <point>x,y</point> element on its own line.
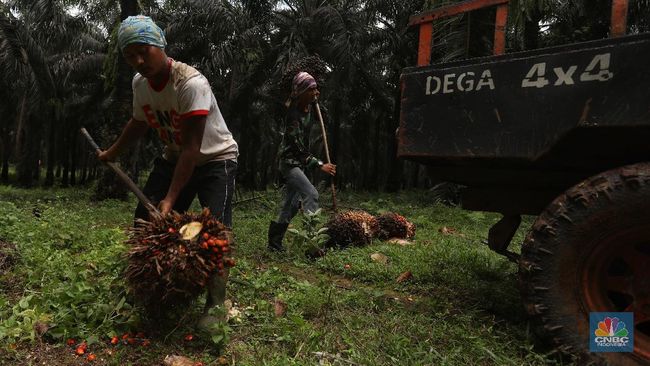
<point>327,152</point>
<point>125,178</point>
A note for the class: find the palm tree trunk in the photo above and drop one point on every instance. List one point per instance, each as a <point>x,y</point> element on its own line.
<point>335,130</point>
<point>375,153</point>
<point>109,186</point>
<point>7,143</point>
<point>395,166</point>
<point>73,157</point>
<point>65,162</point>
<point>24,135</point>
<point>531,30</point>
<point>51,148</point>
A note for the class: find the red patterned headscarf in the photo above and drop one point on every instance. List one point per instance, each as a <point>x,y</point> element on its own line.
<point>301,83</point>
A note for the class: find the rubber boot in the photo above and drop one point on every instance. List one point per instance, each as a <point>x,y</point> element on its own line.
<point>216,296</point>
<point>276,234</point>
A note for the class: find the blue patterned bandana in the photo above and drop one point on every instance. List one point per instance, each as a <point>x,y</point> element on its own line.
<point>140,29</point>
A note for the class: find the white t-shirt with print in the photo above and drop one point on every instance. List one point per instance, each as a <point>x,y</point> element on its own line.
<point>187,93</point>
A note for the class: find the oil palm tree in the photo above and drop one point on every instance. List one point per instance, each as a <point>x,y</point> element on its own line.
<point>50,55</point>
<point>228,42</point>
<point>569,21</point>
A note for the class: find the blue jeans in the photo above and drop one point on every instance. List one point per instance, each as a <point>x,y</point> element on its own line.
<point>213,183</point>
<point>297,188</point>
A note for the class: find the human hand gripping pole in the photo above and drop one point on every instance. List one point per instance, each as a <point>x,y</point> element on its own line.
<point>125,178</point>
<point>327,152</point>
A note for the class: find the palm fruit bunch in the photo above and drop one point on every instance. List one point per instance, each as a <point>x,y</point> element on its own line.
<point>393,225</point>
<point>172,257</point>
<point>348,228</point>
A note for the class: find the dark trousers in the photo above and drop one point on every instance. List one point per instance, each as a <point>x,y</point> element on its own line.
<point>213,183</point>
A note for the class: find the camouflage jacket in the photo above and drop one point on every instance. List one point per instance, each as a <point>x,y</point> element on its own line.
<point>294,148</point>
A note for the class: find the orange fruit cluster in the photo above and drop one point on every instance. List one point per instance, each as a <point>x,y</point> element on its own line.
<point>217,249</point>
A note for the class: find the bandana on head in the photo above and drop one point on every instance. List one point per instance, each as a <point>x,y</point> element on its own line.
<point>301,83</point>
<point>140,29</point>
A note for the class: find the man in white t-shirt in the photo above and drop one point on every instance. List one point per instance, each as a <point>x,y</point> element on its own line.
<point>200,157</point>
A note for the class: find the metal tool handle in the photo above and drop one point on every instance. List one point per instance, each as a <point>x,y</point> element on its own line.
<point>125,178</point>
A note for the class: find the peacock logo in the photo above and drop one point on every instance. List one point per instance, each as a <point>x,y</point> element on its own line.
<point>610,333</point>
<point>611,327</point>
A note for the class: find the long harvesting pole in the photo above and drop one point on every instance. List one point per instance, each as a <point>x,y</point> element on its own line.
<point>125,178</point>
<point>327,152</point>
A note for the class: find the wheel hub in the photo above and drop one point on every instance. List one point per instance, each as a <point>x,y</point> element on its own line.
<point>616,278</point>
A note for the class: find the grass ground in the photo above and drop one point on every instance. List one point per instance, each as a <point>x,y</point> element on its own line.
<point>61,263</point>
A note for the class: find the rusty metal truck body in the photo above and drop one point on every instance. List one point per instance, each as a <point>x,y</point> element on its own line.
<point>519,129</point>
<point>562,133</point>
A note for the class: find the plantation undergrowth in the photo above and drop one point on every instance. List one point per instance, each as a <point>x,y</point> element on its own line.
<point>456,303</point>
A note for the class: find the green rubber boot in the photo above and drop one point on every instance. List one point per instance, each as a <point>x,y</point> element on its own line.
<point>216,296</point>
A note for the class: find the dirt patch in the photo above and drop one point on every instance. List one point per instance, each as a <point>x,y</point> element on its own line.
<point>11,285</point>
<point>41,353</point>
<point>8,256</point>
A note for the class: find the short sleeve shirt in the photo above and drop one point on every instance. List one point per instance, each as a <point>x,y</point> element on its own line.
<point>187,93</point>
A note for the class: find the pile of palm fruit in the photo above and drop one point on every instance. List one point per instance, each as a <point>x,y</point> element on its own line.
<point>172,257</point>
<point>358,228</point>
<point>351,228</point>
<point>394,225</point>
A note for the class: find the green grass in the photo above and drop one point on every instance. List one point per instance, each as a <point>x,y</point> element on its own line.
<point>461,306</point>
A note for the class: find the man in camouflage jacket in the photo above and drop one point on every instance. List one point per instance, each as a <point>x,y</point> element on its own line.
<point>295,158</point>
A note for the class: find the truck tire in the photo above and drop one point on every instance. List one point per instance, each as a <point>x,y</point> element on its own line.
<point>589,251</point>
